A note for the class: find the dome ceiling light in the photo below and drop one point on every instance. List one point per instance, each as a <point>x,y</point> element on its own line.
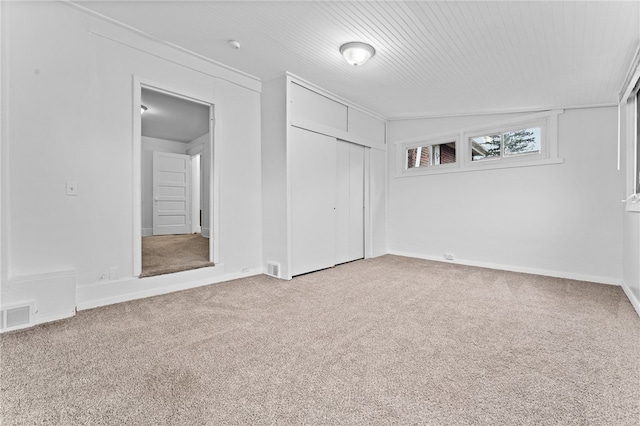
<point>357,53</point>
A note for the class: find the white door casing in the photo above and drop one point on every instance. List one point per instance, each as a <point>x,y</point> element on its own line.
<point>171,193</point>
<point>209,168</point>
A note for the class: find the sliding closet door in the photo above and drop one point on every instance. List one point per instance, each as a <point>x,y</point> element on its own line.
<point>312,166</point>
<point>356,202</point>
<point>349,202</point>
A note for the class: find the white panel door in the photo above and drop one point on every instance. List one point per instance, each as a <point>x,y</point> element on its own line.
<point>356,202</point>
<point>343,191</point>
<point>171,193</point>
<point>312,166</point>
<point>349,202</point>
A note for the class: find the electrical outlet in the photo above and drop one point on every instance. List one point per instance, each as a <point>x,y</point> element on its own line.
<point>245,269</point>
<point>114,273</point>
<point>449,256</point>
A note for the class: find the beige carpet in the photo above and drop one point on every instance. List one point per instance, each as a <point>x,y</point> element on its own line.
<point>383,341</point>
<point>164,254</point>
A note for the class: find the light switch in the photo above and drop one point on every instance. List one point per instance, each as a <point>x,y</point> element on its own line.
<point>72,188</point>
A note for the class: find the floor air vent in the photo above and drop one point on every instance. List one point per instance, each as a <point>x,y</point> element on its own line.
<point>273,269</point>
<point>15,317</point>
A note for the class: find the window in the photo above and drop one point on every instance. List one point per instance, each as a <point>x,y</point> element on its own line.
<point>430,155</point>
<point>506,144</point>
<point>422,156</point>
<point>523,141</point>
<point>630,104</point>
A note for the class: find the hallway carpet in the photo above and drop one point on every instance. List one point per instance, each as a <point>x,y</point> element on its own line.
<point>391,340</point>
<point>164,254</point>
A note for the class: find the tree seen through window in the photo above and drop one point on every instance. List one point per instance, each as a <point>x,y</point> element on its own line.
<point>525,141</point>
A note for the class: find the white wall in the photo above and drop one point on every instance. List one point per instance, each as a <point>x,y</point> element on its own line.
<point>562,219</point>
<point>68,78</point>
<point>148,146</point>
<point>275,220</point>
<point>377,202</point>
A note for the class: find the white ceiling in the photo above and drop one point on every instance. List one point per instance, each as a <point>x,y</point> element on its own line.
<point>433,57</point>
<point>172,118</point>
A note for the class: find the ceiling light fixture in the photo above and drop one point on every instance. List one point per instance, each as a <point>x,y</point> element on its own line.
<point>357,53</point>
<point>142,109</point>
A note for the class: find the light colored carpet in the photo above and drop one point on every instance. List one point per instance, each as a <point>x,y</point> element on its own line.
<point>164,254</point>
<point>390,340</point>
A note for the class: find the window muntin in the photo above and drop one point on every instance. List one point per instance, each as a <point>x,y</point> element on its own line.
<point>430,155</point>
<point>504,144</point>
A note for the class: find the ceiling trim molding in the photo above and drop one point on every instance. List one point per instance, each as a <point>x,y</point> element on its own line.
<point>496,112</point>
<point>162,42</point>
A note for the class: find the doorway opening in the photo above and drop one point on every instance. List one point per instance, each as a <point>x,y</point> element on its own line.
<point>176,151</point>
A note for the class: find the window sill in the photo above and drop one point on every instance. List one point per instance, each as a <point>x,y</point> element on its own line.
<point>479,167</point>
<point>632,204</point>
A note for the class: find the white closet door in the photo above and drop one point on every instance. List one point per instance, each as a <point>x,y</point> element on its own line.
<point>312,166</point>
<point>349,202</point>
<point>356,202</point>
<point>343,191</point>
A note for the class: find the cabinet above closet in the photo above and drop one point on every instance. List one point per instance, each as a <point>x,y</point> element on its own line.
<point>314,110</point>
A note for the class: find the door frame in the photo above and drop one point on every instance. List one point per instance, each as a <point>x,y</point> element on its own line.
<point>214,181</point>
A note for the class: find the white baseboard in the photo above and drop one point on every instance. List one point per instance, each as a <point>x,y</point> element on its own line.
<point>511,268</point>
<point>147,232</point>
<point>132,288</point>
<point>632,297</point>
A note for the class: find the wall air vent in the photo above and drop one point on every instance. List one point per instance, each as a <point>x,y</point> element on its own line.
<point>273,269</point>
<point>17,316</point>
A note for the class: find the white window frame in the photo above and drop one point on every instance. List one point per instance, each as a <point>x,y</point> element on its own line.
<point>546,120</point>
<point>421,142</point>
<point>633,150</point>
<point>629,99</point>
<point>636,142</point>
<point>519,158</point>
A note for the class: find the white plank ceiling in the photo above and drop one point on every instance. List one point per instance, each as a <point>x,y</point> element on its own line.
<point>433,57</point>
